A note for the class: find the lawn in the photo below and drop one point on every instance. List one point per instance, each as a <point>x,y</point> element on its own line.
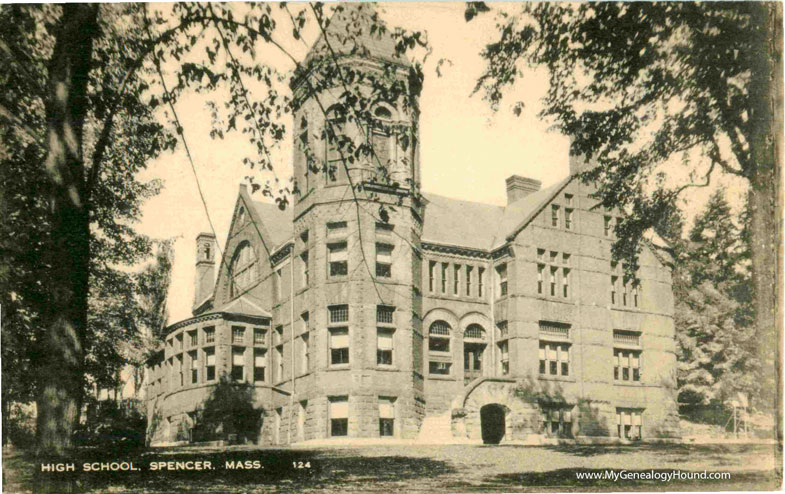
<point>454,468</point>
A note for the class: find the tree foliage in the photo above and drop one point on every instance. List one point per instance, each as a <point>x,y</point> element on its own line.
<point>229,410</point>
<point>654,92</point>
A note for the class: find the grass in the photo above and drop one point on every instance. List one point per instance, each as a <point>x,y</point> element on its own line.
<point>450,468</point>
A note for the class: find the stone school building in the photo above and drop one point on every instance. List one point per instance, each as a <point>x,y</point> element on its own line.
<point>445,321</point>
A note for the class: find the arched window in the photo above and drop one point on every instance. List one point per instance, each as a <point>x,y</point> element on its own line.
<point>439,337</point>
<point>383,140</point>
<point>474,331</point>
<point>335,146</point>
<point>243,272</point>
<point>241,216</point>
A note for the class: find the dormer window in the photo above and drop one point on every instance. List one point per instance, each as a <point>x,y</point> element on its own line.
<point>243,272</point>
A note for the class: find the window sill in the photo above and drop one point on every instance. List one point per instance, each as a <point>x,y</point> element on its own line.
<point>629,384</point>
<point>441,377</point>
<point>546,377</point>
<point>338,367</point>
<point>387,368</point>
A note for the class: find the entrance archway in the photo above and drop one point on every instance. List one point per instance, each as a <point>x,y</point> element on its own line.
<point>492,423</point>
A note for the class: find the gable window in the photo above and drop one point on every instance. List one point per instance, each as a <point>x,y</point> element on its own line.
<point>337,259</point>
<point>607,225</point>
<point>431,276</point>
<point>259,364</point>
<point>384,346</point>
<point>554,215</point>
<point>238,364</point>
<point>568,222</point>
<point>384,260</point>
<point>501,272</point>
<point>243,271</point>
<point>339,346</point>
<point>339,415</point>
<point>629,423</point>
<point>386,416</point>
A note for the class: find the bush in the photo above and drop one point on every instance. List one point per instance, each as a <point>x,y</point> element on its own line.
<point>20,425</point>
<point>228,413</point>
<point>112,425</point>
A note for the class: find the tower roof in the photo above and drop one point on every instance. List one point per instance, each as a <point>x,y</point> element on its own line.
<point>356,29</point>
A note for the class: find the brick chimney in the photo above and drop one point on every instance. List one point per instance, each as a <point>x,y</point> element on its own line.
<point>205,266</point>
<point>519,187</point>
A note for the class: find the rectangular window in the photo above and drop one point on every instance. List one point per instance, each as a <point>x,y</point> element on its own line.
<point>179,340</point>
<point>445,267</point>
<point>629,424</point>
<point>554,359</point>
<point>439,368</point>
<point>384,229</point>
<point>481,282</point>
<point>278,284</point>
<point>469,273</point>
<point>209,366</point>
<point>238,364</point>
<point>258,336</point>
<point>302,414</point>
<point>193,338</point>
<point>438,343</point>
<point>626,365</point>
<point>554,270</point>
<point>557,421</point>
<point>339,416</point>
<point>238,335</point>
<point>503,330</point>
<point>338,313</point>
<point>565,259</point>
<point>337,259</point>
<point>259,364</point>
<point>554,215</point>
<point>614,288</point>
<point>624,291</point>
<point>565,282</point>
<point>568,199</point>
<point>386,416</point>
<point>192,356</point>
<point>540,281</point>
<point>384,314</point>
<point>384,260</point>
<point>305,356</point>
<point>280,370</point>
<point>505,357</point>
<point>339,346</point>
<point>607,225</point>
<point>304,276</point>
<point>501,272</point>
<point>431,276</point>
<point>568,218</point>
<point>456,283</point>
<point>384,346</point>
<point>336,228</point>
<point>209,335</point>
<point>278,335</point>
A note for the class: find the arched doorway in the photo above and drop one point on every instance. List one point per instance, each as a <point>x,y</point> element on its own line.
<point>492,423</point>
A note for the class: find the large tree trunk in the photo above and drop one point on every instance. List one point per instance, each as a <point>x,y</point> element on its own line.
<point>766,204</point>
<point>61,359</point>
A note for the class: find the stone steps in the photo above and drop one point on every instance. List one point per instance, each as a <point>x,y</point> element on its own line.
<point>436,429</point>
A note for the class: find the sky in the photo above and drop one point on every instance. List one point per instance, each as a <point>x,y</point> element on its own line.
<point>467,151</point>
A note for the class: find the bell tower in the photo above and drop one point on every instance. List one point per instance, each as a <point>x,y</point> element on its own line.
<point>205,267</point>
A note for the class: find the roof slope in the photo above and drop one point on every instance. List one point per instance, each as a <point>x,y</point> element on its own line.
<point>277,223</point>
<point>463,223</point>
<point>243,305</point>
<point>349,32</point>
<point>481,226</point>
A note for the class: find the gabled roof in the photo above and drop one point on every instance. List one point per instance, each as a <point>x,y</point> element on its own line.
<point>476,225</point>
<point>243,305</point>
<point>277,224</point>
<point>462,223</point>
<point>349,32</point>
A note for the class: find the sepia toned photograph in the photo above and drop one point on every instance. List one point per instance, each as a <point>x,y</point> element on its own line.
<point>391,246</point>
